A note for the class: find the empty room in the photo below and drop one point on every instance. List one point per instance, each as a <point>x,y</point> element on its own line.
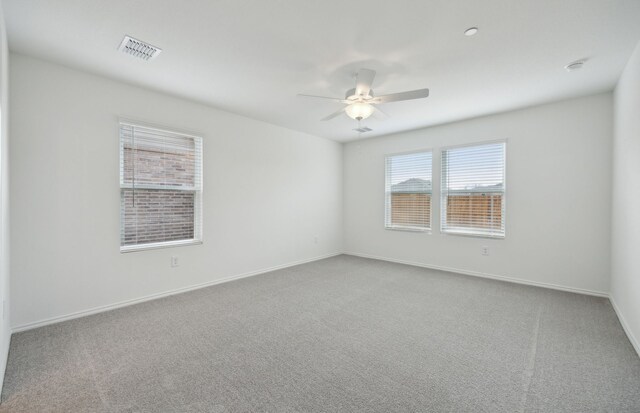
<point>320,206</point>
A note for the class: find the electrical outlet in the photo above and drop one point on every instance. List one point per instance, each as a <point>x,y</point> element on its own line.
<point>174,261</point>
<point>485,250</point>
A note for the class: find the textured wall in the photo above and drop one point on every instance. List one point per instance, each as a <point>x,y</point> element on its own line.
<point>625,239</point>
<point>271,196</point>
<point>558,159</point>
<point>5,327</point>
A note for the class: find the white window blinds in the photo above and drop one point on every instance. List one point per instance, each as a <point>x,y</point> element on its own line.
<point>408,191</point>
<point>473,190</point>
<point>160,187</point>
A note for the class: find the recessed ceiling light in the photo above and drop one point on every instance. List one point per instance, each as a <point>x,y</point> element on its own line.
<point>571,67</point>
<point>471,31</point>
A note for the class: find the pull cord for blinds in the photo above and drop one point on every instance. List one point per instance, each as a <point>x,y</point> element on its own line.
<point>133,167</point>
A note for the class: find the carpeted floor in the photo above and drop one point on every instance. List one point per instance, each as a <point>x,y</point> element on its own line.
<point>342,334</point>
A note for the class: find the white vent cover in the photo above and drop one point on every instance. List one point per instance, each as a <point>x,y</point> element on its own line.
<point>138,48</point>
<point>363,129</point>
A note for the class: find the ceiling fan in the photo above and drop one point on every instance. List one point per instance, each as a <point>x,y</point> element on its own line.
<point>361,101</point>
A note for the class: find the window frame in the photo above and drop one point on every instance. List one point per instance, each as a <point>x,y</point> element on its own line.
<point>387,193</point>
<point>466,232</point>
<point>198,199</point>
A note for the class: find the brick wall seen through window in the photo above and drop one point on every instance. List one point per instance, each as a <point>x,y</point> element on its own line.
<point>160,187</point>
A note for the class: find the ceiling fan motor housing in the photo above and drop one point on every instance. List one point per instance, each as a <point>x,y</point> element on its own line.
<point>351,95</point>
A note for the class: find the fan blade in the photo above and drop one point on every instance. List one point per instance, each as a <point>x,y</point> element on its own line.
<point>364,80</point>
<point>324,97</point>
<point>395,97</point>
<point>333,115</point>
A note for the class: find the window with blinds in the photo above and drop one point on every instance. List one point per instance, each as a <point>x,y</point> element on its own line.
<point>473,190</point>
<point>408,191</point>
<point>160,188</point>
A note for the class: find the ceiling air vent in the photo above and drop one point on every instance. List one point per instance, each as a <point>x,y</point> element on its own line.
<point>139,48</point>
<point>363,129</point>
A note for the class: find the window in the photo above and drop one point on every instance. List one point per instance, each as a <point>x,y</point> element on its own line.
<point>160,188</point>
<point>473,189</point>
<point>408,191</point>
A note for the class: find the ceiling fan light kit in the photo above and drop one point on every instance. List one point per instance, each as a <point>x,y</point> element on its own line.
<point>360,100</point>
<point>359,110</point>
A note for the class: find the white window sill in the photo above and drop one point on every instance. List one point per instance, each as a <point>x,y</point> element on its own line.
<point>157,245</point>
<point>409,229</point>
<point>472,234</point>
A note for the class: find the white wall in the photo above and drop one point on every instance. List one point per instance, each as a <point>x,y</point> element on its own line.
<point>268,191</point>
<point>558,204</point>
<point>5,327</point>
<point>625,240</point>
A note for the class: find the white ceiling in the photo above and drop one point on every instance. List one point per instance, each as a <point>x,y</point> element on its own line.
<point>253,56</point>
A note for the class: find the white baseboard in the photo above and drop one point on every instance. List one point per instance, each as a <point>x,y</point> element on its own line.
<point>101,309</point>
<point>486,275</point>
<point>634,342</point>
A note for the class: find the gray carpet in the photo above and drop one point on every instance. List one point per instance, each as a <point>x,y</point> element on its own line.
<point>342,334</point>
